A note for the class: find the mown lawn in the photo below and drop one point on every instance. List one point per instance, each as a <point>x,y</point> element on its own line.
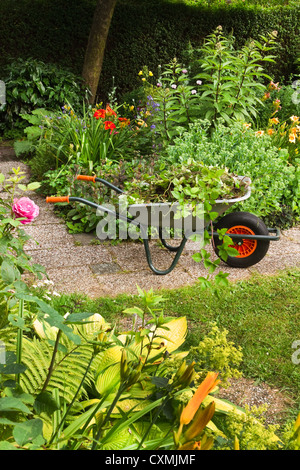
<point>262,315</point>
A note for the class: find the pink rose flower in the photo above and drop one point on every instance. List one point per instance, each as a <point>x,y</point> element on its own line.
<point>25,207</point>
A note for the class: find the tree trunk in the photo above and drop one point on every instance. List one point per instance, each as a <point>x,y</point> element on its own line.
<point>96,45</point>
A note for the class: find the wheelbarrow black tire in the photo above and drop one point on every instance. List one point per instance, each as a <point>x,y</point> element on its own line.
<point>251,251</point>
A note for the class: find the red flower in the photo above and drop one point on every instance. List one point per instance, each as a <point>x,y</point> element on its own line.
<point>99,113</point>
<point>109,111</point>
<point>124,121</point>
<point>109,125</point>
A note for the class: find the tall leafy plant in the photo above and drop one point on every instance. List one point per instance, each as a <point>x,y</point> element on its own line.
<point>233,79</point>
<point>220,82</point>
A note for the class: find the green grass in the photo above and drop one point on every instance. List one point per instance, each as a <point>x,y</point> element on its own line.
<point>262,315</point>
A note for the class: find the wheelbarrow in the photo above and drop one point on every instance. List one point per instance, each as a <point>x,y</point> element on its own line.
<point>250,236</point>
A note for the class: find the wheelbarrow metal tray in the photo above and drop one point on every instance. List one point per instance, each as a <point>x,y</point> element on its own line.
<point>162,215</point>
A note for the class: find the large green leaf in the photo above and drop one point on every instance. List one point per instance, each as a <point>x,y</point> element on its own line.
<point>13,404</point>
<point>8,272</point>
<point>28,431</point>
<point>119,441</point>
<point>108,380</point>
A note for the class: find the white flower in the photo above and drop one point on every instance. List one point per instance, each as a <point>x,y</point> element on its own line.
<point>193,92</point>
<point>55,293</point>
<point>199,82</point>
<point>174,86</point>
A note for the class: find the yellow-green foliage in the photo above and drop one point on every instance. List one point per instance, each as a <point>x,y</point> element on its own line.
<point>215,352</point>
<point>250,433</point>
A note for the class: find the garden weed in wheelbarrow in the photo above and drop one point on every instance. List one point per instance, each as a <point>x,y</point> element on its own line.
<point>185,206</point>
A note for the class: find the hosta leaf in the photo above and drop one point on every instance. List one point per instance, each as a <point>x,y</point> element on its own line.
<point>118,441</point>
<point>174,337</point>
<point>108,380</point>
<point>128,404</point>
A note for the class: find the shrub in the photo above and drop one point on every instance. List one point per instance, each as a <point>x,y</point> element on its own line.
<point>32,84</point>
<point>275,182</point>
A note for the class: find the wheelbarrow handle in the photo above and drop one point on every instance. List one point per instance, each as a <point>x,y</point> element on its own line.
<point>87,178</point>
<point>57,199</point>
<point>95,179</point>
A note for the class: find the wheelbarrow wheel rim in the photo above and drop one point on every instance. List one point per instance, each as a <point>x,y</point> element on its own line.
<point>247,246</point>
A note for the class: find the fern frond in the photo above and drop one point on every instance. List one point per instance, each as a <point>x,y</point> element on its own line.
<point>69,367</point>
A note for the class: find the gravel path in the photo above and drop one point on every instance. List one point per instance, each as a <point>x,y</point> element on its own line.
<point>80,263</point>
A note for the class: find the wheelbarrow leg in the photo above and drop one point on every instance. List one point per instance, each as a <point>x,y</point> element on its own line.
<point>165,244</point>
<point>179,250</point>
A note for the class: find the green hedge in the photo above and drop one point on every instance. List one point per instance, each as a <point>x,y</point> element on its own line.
<point>146,32</point>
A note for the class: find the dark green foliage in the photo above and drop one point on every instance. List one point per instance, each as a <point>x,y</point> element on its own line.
<point>32,84</point>
<point>142,33</point>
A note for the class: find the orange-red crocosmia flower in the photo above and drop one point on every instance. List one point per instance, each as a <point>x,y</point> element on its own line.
<point>99,113</point>
<point>203,390</point>
<point>109,125</point>
<point>109,111</point>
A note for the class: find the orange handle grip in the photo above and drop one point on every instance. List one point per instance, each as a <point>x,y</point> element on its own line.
<point>86,178</point>
<point>57,199</point>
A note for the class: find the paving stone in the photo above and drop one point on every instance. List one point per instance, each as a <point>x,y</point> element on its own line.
<point>105,268</point>
<point>85,238</point>
<point>292,234</point>
<point>6,169</point>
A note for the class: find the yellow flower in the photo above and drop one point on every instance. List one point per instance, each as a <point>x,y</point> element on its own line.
<point>294,118</point>
<point>150,74</point>
<point>140,72</point>
<point>297,423</point>
<point>236,443</point>
<point>274,121</point>
<point>143,79</point>
<point>246,125</point>
<point>270,131</point>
